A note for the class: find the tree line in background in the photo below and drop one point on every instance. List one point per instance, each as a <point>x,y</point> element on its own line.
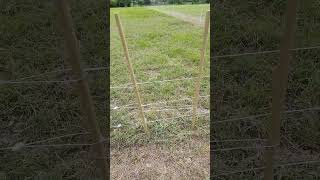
<point>129,3</point>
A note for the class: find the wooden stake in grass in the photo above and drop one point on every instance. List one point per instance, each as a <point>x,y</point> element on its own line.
<point>131,72</point>
<point>201,67</point>
<point>279,86</point>
<point>84,93</point>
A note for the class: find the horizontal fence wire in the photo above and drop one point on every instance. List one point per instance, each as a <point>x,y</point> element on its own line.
<point>20,145</point>
<point>128,85</point>
<point>154,103</point>
<point>263,52</point>
<point>244,148</point>
<point>92,69</point>
<point>123,86</point>
<point>262,168</point>
<point>177,117</point>
<point>20,80</point>
<point>237,140</point>
<point>265,114</point>
<point>163,119</point>
<point>39,82</point>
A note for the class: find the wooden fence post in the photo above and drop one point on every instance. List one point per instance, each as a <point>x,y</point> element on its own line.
<point>87,106</point>
<point>131,72</point>
<point>201,67</point>
<point>279,86</point>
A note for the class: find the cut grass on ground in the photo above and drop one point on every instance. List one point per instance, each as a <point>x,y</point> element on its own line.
<point>161,47</point>
<point>191,10</point>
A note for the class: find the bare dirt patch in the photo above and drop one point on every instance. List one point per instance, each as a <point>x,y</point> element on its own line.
<point>188,160</point>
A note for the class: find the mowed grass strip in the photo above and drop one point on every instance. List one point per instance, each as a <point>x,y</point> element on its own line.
<point>161,47</point>
<point>192,10</point>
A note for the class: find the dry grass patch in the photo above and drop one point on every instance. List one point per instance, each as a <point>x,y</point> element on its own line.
<point>187,160</point>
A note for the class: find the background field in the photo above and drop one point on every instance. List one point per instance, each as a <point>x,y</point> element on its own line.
<point>191,10</point>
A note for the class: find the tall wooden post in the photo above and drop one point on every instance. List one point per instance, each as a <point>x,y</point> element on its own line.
<point>131,72</point>
<point>279,85</point>
<point>201,67</point>
<point>87,106</point>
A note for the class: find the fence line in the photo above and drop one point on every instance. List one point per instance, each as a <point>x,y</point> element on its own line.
<point>20,146</point>
<point>39,82</point>
<point>124,86</point>
<point>92,69</point>
<point>237,140</point>
<point>163,119</point>
<point>239,119</point>
<point>264,52</point>
<point>58,137</point>
<point>266,114</point>
<point>262,168</point>
<point>128,85</point>
<point>243,147</point>
<point>155,103</point>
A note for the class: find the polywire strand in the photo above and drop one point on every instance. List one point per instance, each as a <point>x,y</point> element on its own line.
<point>64,71</point>
<point>237,140</point>
<point>148,82</point>
<point>243,147</point>
<point>128,85</point>
<point>39,82</point>
<point>263,52</point>
<point>177,117</point>
<point>18,81</point>
<point>235,119</point>
<point>102,140</point>
<point>219,56</point>
<point>155,103</point>
<point>58,137</point>
<point>261,168</point>
<point>266,114</point>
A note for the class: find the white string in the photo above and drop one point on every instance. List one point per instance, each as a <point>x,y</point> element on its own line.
<point>237,140</point>
<point>59,137</point>
<point>263,52</point>
<point>128,85</point>
<point>261,168</point>
<point>158,120</point>
<point>155,103</point>
<point>266,114</point>
<point>20,146</point>
<point>37,82</point>
<point>64,70</point>
<point>244,147</point>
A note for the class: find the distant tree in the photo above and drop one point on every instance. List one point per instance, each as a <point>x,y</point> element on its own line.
<point>175,1</point>
<point>114,3</point>
<point>140,2</point>
<point>195,1</point>
<point>128,3</point>
<point>147,2</point>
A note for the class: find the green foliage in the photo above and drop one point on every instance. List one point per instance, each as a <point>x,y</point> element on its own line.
<point>127,3</point>
<point>120,3</point>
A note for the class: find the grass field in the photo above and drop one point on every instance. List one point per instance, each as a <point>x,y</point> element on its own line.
<point>161,48</point>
